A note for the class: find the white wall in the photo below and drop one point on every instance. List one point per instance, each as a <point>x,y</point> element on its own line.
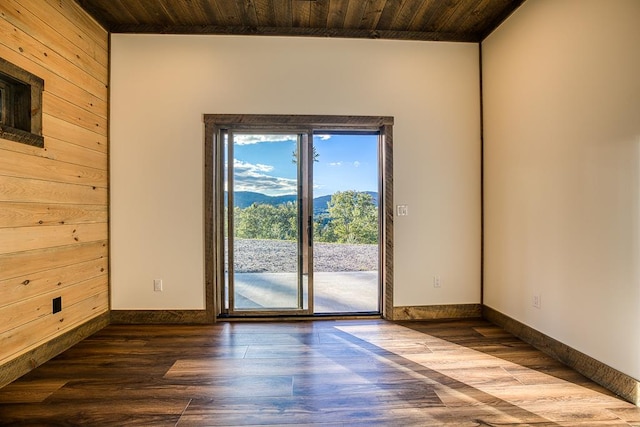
<point>562,182</point>
<point>161,86</point>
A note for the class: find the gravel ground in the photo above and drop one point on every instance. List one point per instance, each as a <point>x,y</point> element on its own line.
<point>276,256</point>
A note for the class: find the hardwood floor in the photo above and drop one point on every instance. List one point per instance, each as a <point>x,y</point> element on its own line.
<point>352,373</point>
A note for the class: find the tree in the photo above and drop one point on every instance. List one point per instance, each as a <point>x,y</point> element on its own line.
<point>322,231</point>
<point>354,218</point>
<point>264,221</point>
<point>315,154</point>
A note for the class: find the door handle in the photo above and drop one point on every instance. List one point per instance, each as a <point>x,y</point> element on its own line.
<point>310,230</point>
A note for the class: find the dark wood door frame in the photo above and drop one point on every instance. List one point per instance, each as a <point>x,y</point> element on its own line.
<point>214,123</point>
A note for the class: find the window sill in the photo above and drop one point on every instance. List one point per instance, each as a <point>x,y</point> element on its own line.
<point>13,134</point>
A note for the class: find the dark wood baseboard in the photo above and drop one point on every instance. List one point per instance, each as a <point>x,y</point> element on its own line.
<point>621,384</point>
<point>169,317</point>
<point>433,312</point>
<point>30,360</point>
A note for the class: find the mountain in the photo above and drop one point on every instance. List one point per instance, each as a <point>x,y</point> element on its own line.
<point>244,199</point>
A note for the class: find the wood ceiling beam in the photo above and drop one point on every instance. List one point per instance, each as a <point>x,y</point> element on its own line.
<point>294,31</point>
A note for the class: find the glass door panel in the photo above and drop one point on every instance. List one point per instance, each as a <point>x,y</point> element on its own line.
<point>266,234</point>
<point>346,223</point>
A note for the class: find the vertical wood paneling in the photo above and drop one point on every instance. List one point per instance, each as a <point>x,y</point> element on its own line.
<point>337,13</point>
<point>318,14</point>
<point>54,200</point>
<point>265,13</point>
<point>283,14</point>
<point>372,13</point>
<point>301,11</point>
<point>354,13</point>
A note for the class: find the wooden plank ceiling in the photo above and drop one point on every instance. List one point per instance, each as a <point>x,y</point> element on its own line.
<point>441,20</point>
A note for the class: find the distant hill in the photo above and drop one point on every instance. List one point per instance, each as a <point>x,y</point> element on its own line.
<point>244,199</point>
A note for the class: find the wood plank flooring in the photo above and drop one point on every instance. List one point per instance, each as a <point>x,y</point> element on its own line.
<point>330,373</point>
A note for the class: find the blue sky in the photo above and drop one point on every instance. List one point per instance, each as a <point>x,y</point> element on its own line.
<point>263,164</point>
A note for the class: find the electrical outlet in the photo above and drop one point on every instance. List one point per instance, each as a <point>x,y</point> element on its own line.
<point>56,305</point>
<point>157,285</point>
<point>537,301</point>
<point>436,282</point>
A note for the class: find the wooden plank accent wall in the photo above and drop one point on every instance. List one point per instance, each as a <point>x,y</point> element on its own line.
<point>54,200</point>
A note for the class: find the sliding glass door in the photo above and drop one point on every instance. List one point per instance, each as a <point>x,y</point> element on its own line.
<point>299,213</point>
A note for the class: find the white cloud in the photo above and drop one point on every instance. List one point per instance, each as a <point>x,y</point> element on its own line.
<point>240,165</point>
<point>356,163</point>
<point>248,139</point>
<point>335,164</point>
<point>254,138</point>
<point>254,177</point>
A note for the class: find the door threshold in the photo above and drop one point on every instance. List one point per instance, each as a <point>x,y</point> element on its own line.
<point>289,318</point>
